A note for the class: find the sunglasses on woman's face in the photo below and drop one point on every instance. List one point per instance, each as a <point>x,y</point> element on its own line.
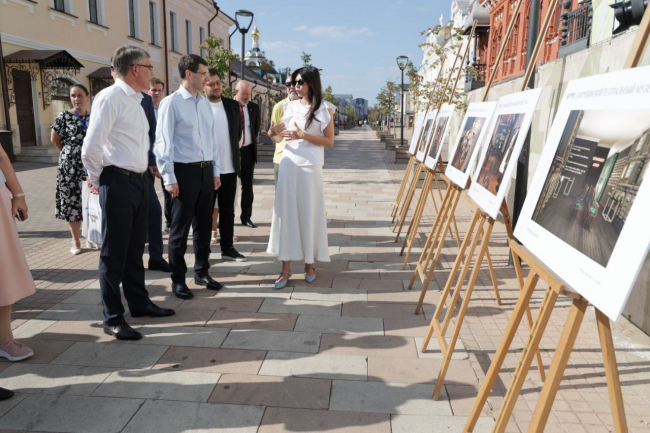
<point>299,82</point>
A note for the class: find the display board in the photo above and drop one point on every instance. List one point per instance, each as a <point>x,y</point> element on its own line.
<point>416,132</point>
<point>462,158</point>
<point>587,209</point>
<point>427,129</point>
<point>439,134</point>
<point>501,147</point>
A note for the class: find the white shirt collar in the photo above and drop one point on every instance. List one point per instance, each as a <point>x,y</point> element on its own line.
<point>128,90</point>
<point>186,93</point>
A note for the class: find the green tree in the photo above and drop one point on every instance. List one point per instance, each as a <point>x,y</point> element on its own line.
<point>353,117</point>
<point>373,115</point>
<point>306,58</point>
<point>328,96</point>
<point>219,58</point>
<point>387,99</point>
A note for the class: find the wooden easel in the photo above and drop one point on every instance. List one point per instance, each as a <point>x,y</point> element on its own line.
<point>414,166</point>
<point>482,224</point>
<point>411,233</point>
<point>569,333</point>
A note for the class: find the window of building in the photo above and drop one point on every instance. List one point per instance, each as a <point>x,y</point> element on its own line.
<point>173,31</point>
<point>188,37</point>
<point>153,23</point>
<point>134,21</point>
<point>59,5</point>
<point>60,92</point>
<point>94,13</point>
<point>201,39</point>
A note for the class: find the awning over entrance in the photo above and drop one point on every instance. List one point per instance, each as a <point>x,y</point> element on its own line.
<point>102,73</point>
<point>51,64</point>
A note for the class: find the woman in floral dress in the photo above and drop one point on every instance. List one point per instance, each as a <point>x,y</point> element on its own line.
<point>68,134</point>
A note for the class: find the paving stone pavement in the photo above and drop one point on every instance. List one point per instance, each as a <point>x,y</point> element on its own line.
<point>340,354</point>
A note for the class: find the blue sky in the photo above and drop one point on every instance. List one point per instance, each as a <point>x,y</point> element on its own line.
<point>355,42</point>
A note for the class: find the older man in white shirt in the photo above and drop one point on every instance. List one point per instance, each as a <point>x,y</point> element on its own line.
<point>115,155</point>
<point>188,159</point>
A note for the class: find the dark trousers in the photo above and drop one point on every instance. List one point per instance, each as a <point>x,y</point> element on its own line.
<point>247,172</point>
<point>168,205</point>
<point>125,202</point>
<point>225,196</point>
<point>155,223</point>
<point>192,208</point>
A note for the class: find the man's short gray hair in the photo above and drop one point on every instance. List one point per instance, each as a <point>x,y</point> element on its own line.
<point>128,55</point>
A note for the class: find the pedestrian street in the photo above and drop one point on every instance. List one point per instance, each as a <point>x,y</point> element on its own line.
<point>338,355</point>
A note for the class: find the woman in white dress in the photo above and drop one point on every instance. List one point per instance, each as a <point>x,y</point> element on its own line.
<point>299,226</point>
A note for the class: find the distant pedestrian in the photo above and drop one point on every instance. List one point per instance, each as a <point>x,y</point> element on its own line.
<point>115,155</point>
<point>250,115</point>
<point>156,91</point>
<point>67,136</point>
<point>227,124</point>
<point>299,226</point>
<point>154,227</point>
<point>16,281</point>
<point>188,159</point>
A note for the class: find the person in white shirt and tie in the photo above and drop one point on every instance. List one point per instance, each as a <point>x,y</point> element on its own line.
<point>187,156</point>
<point>115,155</point>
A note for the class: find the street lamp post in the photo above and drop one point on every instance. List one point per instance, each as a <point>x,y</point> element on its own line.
<point>401,63</point>
<point>243,29</point>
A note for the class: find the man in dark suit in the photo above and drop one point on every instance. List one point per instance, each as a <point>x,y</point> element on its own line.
<point>227,123</point>
<point>154,231</point>
<point>250,124</point>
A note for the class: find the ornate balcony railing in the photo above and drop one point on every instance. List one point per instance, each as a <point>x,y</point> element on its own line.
<point>475,77</point>
<point>576,28</point>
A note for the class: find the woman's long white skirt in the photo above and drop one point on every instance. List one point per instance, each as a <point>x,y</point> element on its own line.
<point>299,226</point>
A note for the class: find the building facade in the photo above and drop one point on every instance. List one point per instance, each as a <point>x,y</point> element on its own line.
<point>51,44</point>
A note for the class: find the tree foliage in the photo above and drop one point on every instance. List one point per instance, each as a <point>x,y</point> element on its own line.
<point>329,96</point>
<point>373,115</point>
<point>306,58</point>
<point>219,58</point>
<point>352,114</point>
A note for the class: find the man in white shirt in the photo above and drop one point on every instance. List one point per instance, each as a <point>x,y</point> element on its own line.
<point>188,159</point>
<point>228,134</point>
<point>115,154</point>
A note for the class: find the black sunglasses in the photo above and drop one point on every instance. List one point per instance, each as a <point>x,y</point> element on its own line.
<point>300,81</point>
<point>289,84</point>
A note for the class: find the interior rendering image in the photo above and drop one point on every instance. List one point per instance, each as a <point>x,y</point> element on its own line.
<point>499,151</point>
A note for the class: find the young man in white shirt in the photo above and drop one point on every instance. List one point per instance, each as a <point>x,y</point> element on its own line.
<point>115,154</point>
<point>188,159</point>
<point>228,134</point>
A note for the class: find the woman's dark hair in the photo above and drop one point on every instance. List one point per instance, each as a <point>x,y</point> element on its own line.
<point>311,77</point>
<point>82,87</point>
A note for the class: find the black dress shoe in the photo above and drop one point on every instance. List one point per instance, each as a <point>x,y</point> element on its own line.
<point>159,265</point>
<point>233,255</point>
<point>248,223</point>
<point>152,310</point>
<point>122,332</point>
<point>182,291</point>
<point>6,393</point>
<point>208,282</point>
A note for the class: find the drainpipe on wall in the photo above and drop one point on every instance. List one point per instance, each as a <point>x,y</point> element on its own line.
<point>164,3</point>
<point>212,19</point>
<point>5,103</point>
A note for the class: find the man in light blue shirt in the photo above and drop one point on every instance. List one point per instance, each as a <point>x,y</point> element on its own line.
<point>188,160</point>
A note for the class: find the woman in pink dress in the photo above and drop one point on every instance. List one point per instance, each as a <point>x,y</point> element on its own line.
<point>16,281</point>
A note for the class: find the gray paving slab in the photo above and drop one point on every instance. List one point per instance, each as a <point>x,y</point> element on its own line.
<point>159,385</point>
<point>160,416</point>
<point>86,296</point>
<point>291,306</point>
<point>255,291</point>
<point>72,312</point>
<point>306,342</point>
<point>433,349</point>
<point>189,336</point>
<point>315,365</point>
<point>7,405</point>
<point>429,423</point>
<point>66,413</point>
<point>393,398</point>
<point>339,325</point>
<point>53,379</point>
<point>111,355</point>
<point>329,294</point>
<point>32,328</point>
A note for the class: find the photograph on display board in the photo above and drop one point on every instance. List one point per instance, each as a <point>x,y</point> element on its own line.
<point>438,134</point>
<point>500,148</point>
<point>424,138</point>
<point>416,132</point>
<point>594,179</point>
<point>468,138</point>
<point>586,213</point>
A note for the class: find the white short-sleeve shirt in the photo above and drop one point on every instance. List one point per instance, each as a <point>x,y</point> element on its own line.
<point>302,152</point>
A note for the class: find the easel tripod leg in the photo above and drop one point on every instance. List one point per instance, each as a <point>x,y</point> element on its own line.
<point>558,365</point>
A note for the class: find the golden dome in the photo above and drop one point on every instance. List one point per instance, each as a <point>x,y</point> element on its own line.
<point>256,33</point>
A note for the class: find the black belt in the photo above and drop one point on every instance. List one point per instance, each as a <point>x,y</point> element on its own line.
<point>128,173</point>
<point>199,164</point>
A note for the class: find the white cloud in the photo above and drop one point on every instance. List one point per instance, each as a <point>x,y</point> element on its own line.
<point>279,46</point>
<point>334,32</point>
